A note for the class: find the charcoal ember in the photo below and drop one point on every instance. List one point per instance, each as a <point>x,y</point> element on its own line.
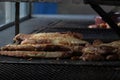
<point>93,50</point>
<point>97,42</point>
<point>118,52</point>
<point>91,57</point>
<point>108,49</point>
<point>75,58</point>
<point>112,57</point>
<point>76,48</point>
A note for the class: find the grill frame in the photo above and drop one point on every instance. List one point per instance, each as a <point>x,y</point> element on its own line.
<point>60,71</point>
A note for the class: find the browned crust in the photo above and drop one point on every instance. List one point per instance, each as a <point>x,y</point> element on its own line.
<point>41,48</point>
<point>21,37</point>
<point>75,34</point>
<point>40,54</point>
<point>33,41</point>
<point>97,42</point>
<point>50,34</point>
<point>114,44</point>
<point>45,37</point>
<point>35,48</point>
<point>99,50</point>
<point>103,52</point>
<point>54,42</point>
<point>91,57</point>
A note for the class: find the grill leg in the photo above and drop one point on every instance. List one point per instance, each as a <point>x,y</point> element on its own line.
<point>17,14</point>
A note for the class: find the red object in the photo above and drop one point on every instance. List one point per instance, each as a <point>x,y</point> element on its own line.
<point>98,20</point>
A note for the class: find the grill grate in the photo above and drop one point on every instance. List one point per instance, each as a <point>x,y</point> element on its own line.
<point>73,26</point>
<point>12,68</point>
<point>56,72</point>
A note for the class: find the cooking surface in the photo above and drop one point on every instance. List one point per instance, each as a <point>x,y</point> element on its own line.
<point>73,26</point>
<point>61,26</point>
<point>12,68</point>
<point>15,60</point>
